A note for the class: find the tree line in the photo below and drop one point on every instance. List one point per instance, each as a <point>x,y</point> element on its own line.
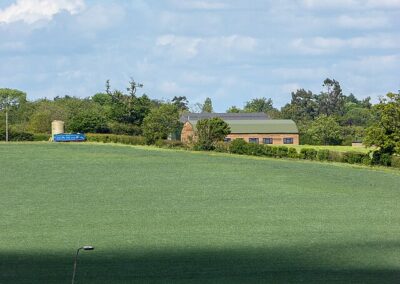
<point>327,118</point>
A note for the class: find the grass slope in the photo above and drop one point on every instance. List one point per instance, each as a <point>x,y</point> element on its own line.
<point>158,216</point>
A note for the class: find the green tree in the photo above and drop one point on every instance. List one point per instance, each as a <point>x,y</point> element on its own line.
<point>259,105</point>
<point>385,133</point>
<point>302,106</point>
<point>181,103</point>
<point>160,123</point>
<point>325,131</point>
<point>209,131</point>
<point>9,100</point>
<point>332,101</point>
<point>88,120</point>
<point>207,106</point>
<point>234,109</point>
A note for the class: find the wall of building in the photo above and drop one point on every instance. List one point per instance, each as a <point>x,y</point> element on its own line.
<point>187,133</point>
<point>277,138</point>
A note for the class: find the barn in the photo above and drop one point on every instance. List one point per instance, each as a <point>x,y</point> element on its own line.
<point>252,127</point>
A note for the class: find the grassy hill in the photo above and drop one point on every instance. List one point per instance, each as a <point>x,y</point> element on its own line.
<point>159,216</point>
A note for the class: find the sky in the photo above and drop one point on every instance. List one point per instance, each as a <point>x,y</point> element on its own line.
<point>228,50</point>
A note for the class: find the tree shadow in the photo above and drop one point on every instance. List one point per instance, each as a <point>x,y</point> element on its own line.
<point>318,264</point>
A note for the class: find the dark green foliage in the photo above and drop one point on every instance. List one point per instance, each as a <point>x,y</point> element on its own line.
<point>16,136</point>
<point>281,151</point>
<point>355,157</point>
<point>89,120</point>
<point>210,131</point>
<point>254,149</point>
<point>113,138</point>
<point>207,106</point>
<point>124,129</point>
<point>325,131</point>
<point>379,157</point>
<point>308,154</point>
<point>385,133</point>
<point>238,146</point>
<point>160,123</point>
<point>292,153</point>
<point>323,155</point>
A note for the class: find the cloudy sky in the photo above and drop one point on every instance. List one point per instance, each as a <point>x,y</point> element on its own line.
<point>229,50</point>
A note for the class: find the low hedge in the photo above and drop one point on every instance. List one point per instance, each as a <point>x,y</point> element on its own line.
<point>114,138</point>
<point>169,144</point>
<point>323,155</point>
<point>308,153</point>
<point>396,161</point>
<point>16,136</point>
<point>41,137</point>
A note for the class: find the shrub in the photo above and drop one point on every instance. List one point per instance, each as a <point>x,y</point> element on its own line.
<point>292,153</point>
<point>354,157</point>
<point>169,144</point>
<point>16,136</point>
<point>323,155</point>
<point>308,153</point>
<point>335,156</point>
<point>396,161</point>
<point>254,149</point>
<point>238,146</point>
<point>113,138</point>
<point>269,151</point>
<point>221,147</point>
<point>281,151</point>
<point>41,137</point>
<point>380,158</point>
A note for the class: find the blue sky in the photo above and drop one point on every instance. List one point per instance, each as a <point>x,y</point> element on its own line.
<point>228,50</point>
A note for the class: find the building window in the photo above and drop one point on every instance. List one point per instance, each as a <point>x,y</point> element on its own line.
<point>287,140</point>
<point>227,139</point>
<point>253,140</point>
<point>268,141</point>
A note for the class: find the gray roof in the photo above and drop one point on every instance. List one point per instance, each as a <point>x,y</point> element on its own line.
<point>225,116</point>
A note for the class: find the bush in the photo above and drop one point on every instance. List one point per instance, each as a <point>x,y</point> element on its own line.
<point>41,137</point>
<point>238,146</point>
<point>169,144</point>
<point>323,155</point>
<point>281,151</point>
<point>124,129</point>
<point>335,156</point>
<point>16,136</point>
<point>354,157</point>
<point>396,161</point>
<point>292,153</point>
<point>380,158</point>
<point>113,138</point>
<point>308,153</point>
<point>222,147</point>
<point>254,149</point>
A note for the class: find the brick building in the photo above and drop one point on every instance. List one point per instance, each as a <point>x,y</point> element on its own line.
<point>252,127</point>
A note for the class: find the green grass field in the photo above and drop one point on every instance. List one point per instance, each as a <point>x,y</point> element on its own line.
<point>163,216</point>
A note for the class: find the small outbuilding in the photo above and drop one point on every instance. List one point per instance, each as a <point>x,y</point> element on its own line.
<point>252,127</point>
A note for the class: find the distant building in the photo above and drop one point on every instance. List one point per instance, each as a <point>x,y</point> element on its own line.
<point>252,127</point>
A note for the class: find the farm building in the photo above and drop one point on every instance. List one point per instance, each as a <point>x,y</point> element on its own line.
<point>252,127</point>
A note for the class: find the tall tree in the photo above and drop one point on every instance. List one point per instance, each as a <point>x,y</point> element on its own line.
<point>325,131</point>
<point>209,131</point>
<point>10,98</point>
<point>302,106</point>
<point>181,103</point>
<point>234,109</point>
<point>332,101</point>
<point>385,133</point>
<point>260,105</point>
<point>207,106</point>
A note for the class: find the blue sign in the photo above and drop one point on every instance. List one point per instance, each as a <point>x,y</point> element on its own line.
<point>73,137</point>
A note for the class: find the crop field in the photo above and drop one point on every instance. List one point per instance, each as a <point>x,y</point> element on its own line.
<point>165,216</point>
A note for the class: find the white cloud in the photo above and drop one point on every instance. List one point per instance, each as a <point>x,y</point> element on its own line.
<point>170,87</point>
<point>31,11</point>
<point>189,47</point>
<point>351,4</point>
<point>199,4</point>
<point>362,22</point>
<point>323,45</point>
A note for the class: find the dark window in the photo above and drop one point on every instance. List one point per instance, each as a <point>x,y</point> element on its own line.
<point>268,141</point>
<point>227,140</point>
<point>287,140</point>
<point>253,140</point>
